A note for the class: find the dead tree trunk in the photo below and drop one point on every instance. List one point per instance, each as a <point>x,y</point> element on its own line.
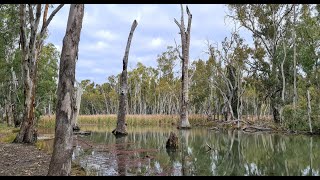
<point>121,128</point>
<point>30,53</point>
<point>60,164</point>
<point>185,45</point>
<point>78,93</point>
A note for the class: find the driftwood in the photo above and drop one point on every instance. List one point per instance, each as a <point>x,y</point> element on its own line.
<point>85,133</point>
<point>210,148</point>
<point>214,128</point>
<point>255,129</point>
<point>76,128</point>
<point>236,121</point>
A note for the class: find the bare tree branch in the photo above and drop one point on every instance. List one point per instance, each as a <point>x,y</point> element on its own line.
<point>177,49</point>
<point>49,19</point>
<point>44,19</point>
<point>177,23</point>
<point>182,19</point>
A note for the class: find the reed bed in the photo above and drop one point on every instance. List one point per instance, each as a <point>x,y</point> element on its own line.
<point>131,120</point>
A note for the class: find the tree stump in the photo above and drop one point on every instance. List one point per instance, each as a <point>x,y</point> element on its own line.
<point>76,128</point>
<point>172,142</point>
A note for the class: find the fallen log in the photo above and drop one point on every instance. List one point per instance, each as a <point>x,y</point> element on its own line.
<point>84,133</point>
<point>236,121</point>
<point>255,129</point>
<point>214,128</point>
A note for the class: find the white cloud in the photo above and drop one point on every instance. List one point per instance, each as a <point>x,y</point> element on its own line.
<point>156,42</point>
<point>101,45</point>
<point>97,47</point>
<point>106,35</point>
<point>146,60</point>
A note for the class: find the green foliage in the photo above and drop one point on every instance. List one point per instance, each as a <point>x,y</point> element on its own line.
<point>47,78</point>
<point>297,119</point>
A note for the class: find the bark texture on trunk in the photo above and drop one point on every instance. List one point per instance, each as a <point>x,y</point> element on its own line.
<point>30,53</point>
<point>121,128</point>
<point>60,164</point>
<point>234,86</point>
<point>27,133</point>
<point>185,45</point>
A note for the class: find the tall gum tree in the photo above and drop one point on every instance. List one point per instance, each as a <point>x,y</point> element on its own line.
<point>60,164</point>
<point>31,49</point>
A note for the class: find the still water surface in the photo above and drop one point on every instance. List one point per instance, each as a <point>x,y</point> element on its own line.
<point>143,152</point>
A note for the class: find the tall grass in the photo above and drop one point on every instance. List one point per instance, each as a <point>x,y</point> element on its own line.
<point>131,120</point>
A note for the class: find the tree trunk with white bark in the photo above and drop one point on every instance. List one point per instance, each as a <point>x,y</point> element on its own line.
<point>185,45</point>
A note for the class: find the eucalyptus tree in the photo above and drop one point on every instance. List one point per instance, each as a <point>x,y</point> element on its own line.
<point>266,22</point>
<point>60,164</point>
<point>31,41</point>
<point>9,39</point>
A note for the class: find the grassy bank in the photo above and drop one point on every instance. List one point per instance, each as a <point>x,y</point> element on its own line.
<point>131,120</point>
<point>7,134</point>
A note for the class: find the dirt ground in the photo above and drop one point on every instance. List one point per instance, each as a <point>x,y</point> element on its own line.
<point>23,160</point>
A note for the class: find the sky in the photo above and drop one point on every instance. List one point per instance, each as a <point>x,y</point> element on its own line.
<point>106,27</point>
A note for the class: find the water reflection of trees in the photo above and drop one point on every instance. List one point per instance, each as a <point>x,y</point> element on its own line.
<point>121,157</point>
<point>233,152</point>
<point>261,154</point>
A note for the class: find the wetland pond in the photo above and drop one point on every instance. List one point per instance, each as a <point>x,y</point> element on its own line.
<point>143,152</point>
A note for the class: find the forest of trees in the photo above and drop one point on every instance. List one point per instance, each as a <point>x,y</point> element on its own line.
<point>236,79</point>
<point>270,80</point>
<point>277,78</point>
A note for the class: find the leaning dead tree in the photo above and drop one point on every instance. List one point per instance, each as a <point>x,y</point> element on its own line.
<point>121,128</point>
<point>30,52</point>
<point>60,164</point>
<point>185,45</point>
